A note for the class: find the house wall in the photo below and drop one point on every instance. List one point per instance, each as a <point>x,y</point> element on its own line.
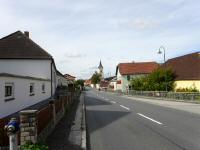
<point>187,84</point>
<point>61,81</point>
<point>124,81</point>
<point>114,84</point>
<point>26,67</point>
<point>119,77</point>
<point>54,79</point>
<point>22,96</point>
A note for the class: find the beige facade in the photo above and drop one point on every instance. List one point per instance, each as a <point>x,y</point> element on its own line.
<point>187,84</point>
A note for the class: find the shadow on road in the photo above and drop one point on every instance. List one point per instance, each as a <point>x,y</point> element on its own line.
<point>91,101</point>
<point>97,119</point>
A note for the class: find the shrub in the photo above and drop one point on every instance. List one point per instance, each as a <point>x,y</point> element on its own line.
<point>191,89</point>
<point>30,146</point>
<point>156,81</point>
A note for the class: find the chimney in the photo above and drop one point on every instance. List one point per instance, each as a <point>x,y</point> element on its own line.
<point>26,33</point>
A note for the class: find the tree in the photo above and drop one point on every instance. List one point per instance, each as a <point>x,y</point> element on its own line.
<point>161,77</point>
<point>96,78</point>
<point>80,83</point>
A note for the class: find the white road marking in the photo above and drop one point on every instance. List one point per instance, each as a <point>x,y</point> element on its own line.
<point>125,107</point>
<point>113,102</point>
<point>150,118</point>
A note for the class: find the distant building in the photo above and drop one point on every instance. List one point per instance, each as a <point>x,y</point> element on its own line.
<point>100,67</point>
<point>108,83</point>
<point>70,77</point>
<point>71,81</point>
<point>187,70</point>
<point>127,71</point>
<point>28,74</point>
<point>88,82</point>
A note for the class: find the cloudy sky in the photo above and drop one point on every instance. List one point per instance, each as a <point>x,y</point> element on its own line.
<point>78,33</point>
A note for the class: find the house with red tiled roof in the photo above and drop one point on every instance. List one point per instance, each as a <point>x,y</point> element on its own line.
<point>127,71</point>
<point>88,82</point>
<point>187,70</point>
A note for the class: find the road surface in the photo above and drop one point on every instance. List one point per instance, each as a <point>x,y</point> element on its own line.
<point>119,123</point>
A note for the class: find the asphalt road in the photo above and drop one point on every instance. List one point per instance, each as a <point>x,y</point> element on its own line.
<point>118,123</point>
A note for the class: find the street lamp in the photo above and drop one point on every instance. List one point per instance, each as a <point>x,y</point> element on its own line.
<point>160,52</point>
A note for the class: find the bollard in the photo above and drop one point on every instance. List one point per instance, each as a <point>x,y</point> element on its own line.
<point>12,129</point>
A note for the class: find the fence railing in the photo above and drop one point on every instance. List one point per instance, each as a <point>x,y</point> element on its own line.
<point>45,117</point>
<point>187,96</point>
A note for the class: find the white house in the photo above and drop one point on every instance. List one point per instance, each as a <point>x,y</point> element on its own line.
<point>28,73</point>
<point>127,71</point>
<point>62,80</point>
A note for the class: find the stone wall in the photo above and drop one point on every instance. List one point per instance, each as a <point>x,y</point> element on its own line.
<point>28,124</point>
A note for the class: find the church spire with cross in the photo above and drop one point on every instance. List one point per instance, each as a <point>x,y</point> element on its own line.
<point>100,67</point>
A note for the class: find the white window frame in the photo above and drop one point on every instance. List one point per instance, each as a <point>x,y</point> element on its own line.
<point>9,97</point>
<point>32,93</point>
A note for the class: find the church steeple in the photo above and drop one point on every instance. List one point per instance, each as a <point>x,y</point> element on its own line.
<point>100,67</point>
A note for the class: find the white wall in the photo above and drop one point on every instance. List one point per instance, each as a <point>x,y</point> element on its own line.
<point>21,94</point>
<point>119,77</point>
<point>124,82</point>
<point>54,79</point>
<point>27,67</point>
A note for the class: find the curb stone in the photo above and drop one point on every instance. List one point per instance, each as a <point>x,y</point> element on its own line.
<point>78,131</point>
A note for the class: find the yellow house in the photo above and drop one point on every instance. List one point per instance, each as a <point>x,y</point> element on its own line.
<point>187,70</point>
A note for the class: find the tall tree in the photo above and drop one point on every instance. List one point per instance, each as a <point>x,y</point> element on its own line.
<point>96,78</point>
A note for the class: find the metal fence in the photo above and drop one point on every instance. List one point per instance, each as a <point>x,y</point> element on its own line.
<point>186,96</point>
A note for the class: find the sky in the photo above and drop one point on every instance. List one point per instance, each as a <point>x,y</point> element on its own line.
<point>80,33</point>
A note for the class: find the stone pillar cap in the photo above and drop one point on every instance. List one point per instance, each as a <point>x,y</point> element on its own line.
<point>28,111</point>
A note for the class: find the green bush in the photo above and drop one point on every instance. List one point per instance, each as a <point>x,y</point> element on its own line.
<point>30,146</point>
<point>191,89</point>
<point>156,81</point>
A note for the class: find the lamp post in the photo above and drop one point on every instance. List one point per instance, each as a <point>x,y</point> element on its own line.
<point>160,52</point>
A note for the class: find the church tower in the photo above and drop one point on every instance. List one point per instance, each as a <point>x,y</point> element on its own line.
<point>101,70</point>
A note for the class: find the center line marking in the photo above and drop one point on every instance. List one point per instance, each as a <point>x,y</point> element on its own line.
<point>113,102</point>
<point>150,118</point>
<point>125,107</point>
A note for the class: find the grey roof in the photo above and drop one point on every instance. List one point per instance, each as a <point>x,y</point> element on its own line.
<point>18,46</point>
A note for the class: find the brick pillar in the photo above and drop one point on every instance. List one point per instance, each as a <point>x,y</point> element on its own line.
<point>28,124</point>
<point>51,102</point>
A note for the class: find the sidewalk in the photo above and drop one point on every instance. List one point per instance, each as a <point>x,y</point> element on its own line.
<point>184,106</point>
<point>67,135</point>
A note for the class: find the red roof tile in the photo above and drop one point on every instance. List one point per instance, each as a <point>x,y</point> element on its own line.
<point>186,67</point>
<point>104,84</point>
<point>69,77</point>
<point>137,68</point>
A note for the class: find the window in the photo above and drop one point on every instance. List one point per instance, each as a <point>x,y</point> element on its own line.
<point>31,90</point>
<point>128,77</point>
<point>43,88</point>
<point>9,91</point>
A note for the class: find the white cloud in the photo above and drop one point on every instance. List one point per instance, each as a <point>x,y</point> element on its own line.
<point>80,33</point>
<point>75,55</point>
